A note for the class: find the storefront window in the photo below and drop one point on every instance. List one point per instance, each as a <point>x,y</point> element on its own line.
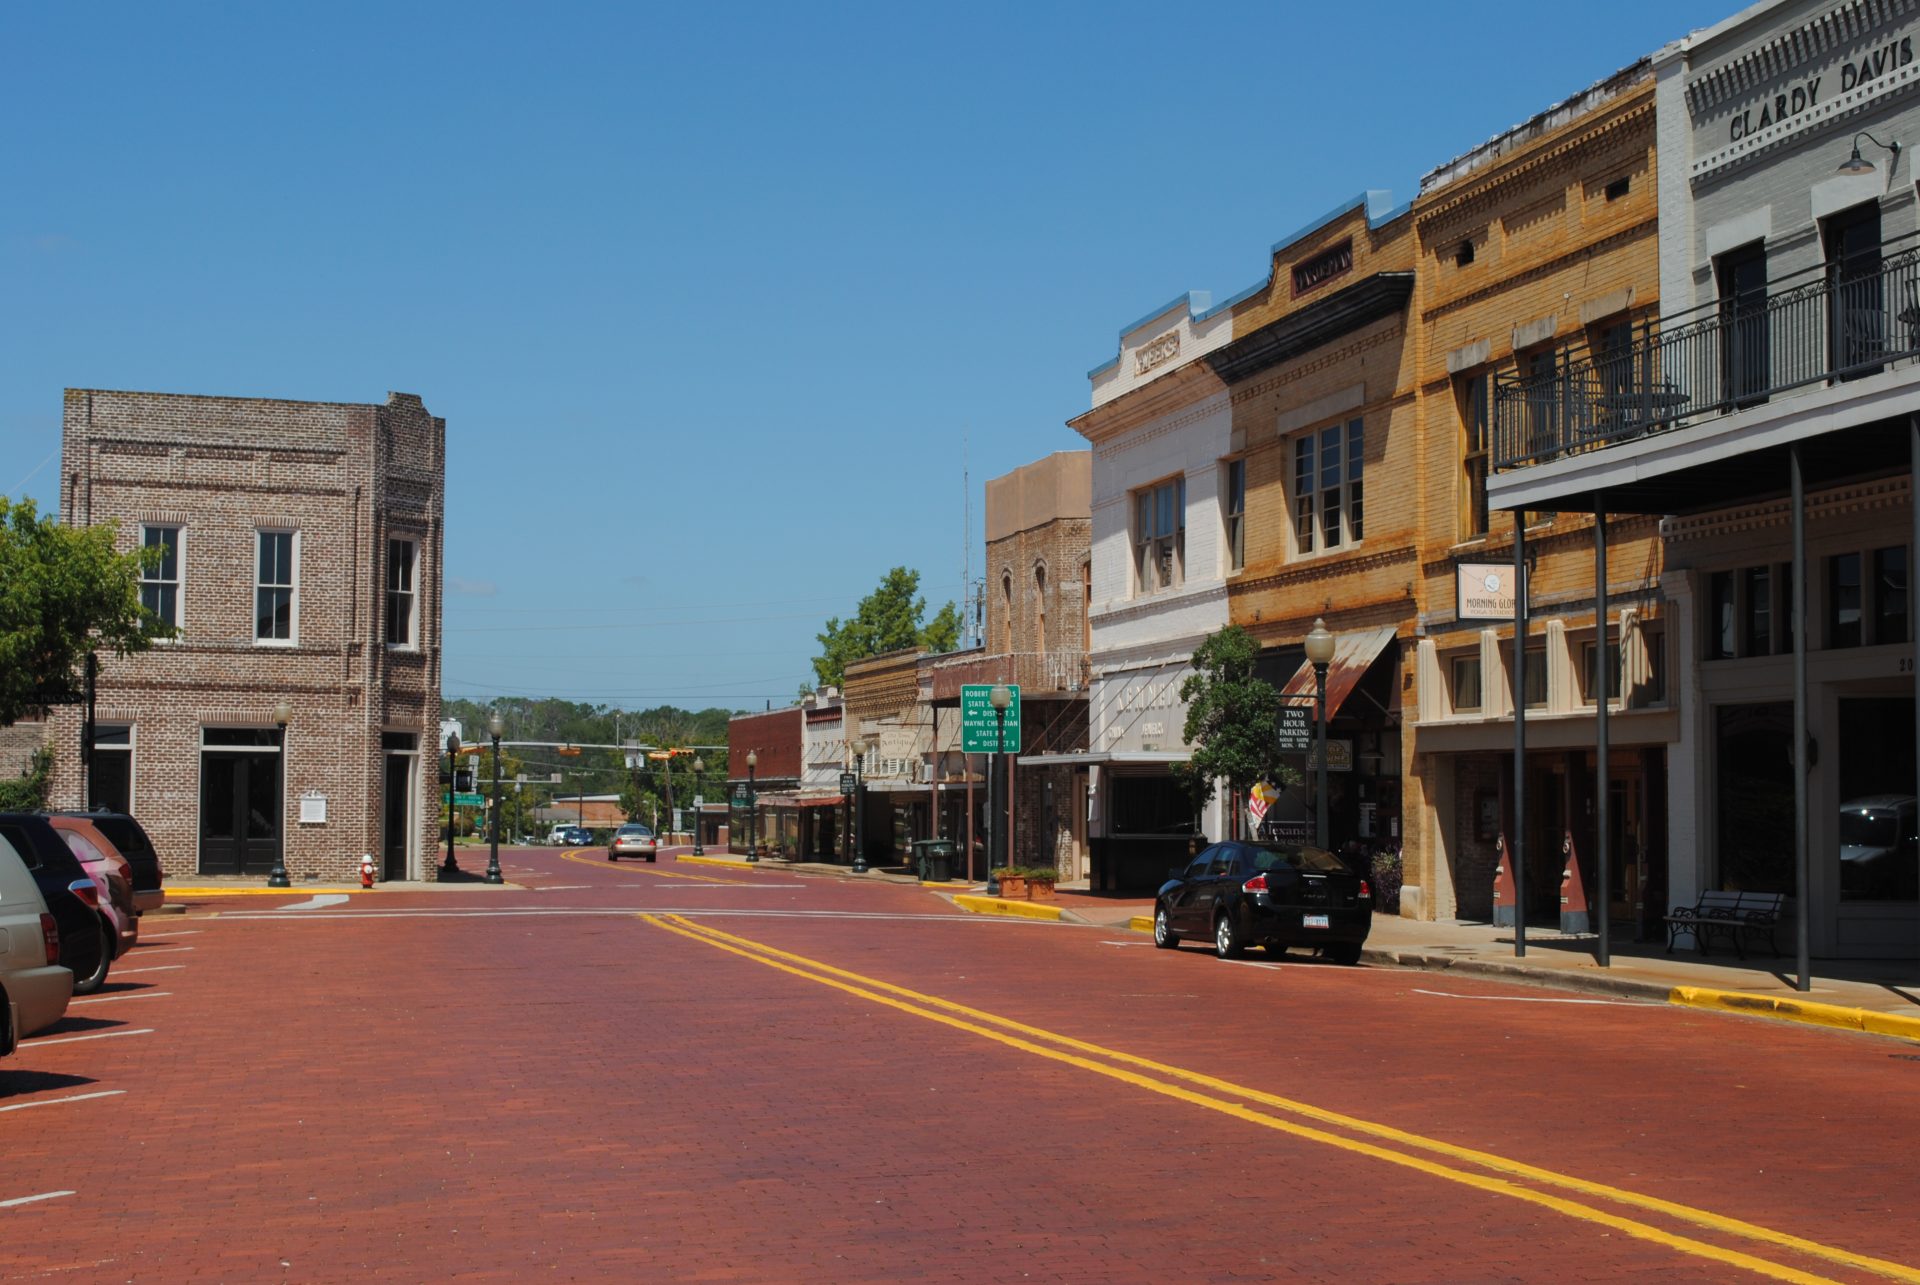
<point>1466,683</point>
<point>1720,637</point>
<point>1890,595</point>
<point>1878,854</point>
<point>1759,615</point>
<point>1754,796</point>
<point>1843,600</point>
<point>1151,805</point>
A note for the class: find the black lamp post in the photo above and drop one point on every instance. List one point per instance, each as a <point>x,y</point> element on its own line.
<point>1001,697</point>
<point>753,808</point>
<point>282,715</point>
<point>450,869</point>
<point>1320,653</point>
<point>495,725</point>
<point>699,766</point>
<point>860,746</point>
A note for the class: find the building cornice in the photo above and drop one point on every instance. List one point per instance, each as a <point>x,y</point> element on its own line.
<point>1381,295</point>
<point>1603,127</point>
<point>1169,393</point>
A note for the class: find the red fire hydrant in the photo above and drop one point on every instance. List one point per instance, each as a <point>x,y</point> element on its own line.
<point>366,870</point>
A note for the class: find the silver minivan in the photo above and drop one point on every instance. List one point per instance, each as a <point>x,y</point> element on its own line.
<point>34,988</point>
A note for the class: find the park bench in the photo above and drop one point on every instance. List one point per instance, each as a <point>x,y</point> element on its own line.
<point>1731,915</point>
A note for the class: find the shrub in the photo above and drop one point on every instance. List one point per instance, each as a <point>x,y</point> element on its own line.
<point>1386,881</point>
<point>28,791</point>
<point>1046,874</point>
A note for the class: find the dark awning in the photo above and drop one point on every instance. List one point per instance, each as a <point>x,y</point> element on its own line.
<point>1353,656</point>
<point>1381,295</point>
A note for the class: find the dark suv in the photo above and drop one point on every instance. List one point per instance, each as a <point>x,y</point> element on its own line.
<point>71,895</point>
<point>130,838</point>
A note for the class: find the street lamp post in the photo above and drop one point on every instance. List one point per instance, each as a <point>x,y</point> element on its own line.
<point>1320,652</point>
<point>450,869</point>
<point>860,745</point>
<point>282,715</point>
<point>1001,697</point>
<point>699,766</point>
<point>753,808</point>
<point>666,767</point>
<point>495,726</point>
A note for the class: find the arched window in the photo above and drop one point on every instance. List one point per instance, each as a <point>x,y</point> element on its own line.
<point>1040,608</point>
<point>1006,612</point>
<point>1086,606</point>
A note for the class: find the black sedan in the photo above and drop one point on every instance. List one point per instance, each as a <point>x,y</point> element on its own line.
<point>1273,894</point>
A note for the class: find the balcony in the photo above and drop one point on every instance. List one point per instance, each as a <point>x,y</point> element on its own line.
<point>1823,326</point>
<point>1039,674</point>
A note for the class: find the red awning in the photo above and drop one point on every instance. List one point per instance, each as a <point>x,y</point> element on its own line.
<point>1353,655</point>
<point>820,801</point>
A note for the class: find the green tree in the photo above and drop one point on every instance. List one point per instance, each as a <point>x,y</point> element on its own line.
<point>887,619</point>
<point>1232,719</point>
<point>63,592</point>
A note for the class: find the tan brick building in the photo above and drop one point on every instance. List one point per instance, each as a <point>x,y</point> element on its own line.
<point>1545,237</point>
<point>295,717</point>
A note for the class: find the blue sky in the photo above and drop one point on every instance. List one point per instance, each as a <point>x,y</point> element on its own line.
<point>708,295</point>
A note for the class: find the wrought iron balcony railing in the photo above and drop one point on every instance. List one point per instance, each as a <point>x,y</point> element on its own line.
<point>1835,322</point>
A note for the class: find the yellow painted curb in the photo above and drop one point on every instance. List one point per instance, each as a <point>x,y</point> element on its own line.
<point>1798,1010</point>
<point>1141,923</point>
<point>736,862</point>
<point>1012,909</point>
<point>172,891</point>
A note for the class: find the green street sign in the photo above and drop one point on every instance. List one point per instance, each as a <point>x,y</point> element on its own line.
<point>980,721</point>
<point>470,800</point>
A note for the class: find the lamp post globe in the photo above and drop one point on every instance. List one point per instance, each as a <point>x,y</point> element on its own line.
<point>450,868</point>
<point>699,766</point>
<point>753,808</point>
<point>282,715</point>
<point>495,726</point>
<point>1320,648</point>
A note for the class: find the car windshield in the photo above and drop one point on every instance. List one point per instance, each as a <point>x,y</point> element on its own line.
<point>1276,857</point>
<point>638,831</point>
<point>1860,828</point>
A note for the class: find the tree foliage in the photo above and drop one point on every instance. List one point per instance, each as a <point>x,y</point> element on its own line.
<point>63,592</point>
<point>888,619</point>
<point>1232,719</point>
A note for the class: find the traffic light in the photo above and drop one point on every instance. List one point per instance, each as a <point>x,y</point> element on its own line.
<point>463,780</point>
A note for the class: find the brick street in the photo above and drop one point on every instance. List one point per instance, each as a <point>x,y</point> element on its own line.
<point>502,1085</point>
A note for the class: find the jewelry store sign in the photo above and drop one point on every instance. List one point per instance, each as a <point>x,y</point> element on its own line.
<point>1483,591</point>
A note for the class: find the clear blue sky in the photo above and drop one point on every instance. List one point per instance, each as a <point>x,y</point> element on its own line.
<point>707,295</point>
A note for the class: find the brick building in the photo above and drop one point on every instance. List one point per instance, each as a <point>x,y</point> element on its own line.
<point>294,717</point>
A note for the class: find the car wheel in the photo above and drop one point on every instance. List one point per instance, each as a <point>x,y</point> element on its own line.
<point>1163,936</point>
<point>650,857</point>
<point>98,977</point>
<point>1344,952</point>
<point>1227,942</point>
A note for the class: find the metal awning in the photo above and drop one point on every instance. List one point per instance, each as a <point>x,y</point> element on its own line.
<point>1096,758</point>
<point>1353,656</point>
<point>896,787</point>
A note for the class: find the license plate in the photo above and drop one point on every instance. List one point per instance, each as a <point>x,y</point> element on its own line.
<point>1313,921</point>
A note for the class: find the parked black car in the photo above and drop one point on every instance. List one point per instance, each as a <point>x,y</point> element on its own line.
<point>85,939</point>
<point>130,838</point>
<point>1273,894</point>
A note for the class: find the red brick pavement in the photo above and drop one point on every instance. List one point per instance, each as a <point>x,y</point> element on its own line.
<point>576,1094</point>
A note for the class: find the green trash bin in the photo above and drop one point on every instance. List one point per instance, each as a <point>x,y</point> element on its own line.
<point>939,861</point>
<point>920,859</point>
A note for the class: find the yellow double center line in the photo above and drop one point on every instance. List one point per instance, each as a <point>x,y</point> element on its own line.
<point>646,870</point>
<point>1503,1177</point>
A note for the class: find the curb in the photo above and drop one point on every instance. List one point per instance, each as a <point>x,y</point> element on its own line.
<point>1008,909</point>
<point>1837,1016</point>
<point>713,861</point>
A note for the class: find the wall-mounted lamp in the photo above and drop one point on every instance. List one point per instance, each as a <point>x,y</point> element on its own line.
<point>1858,164</point>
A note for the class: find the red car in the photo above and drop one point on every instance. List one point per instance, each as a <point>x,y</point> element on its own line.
<point>111,872</point>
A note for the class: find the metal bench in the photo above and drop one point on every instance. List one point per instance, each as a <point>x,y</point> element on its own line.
<point>1731,915</point>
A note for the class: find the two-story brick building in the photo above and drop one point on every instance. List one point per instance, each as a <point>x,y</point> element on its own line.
<point>294,718</point>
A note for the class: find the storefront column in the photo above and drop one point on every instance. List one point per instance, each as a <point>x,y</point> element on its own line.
<point>1602,705</point>
<point>1797,500</point>
<point>1913,556</point>
<point>1517,842</point>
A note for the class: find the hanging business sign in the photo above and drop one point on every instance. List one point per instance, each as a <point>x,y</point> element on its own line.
<point>1295,731</point>
<point>1483,591</point>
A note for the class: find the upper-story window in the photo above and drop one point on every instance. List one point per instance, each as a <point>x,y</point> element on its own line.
<point>1328,509</point>
<point>1006,613</point>
<point>276,588</point>
<point>1040,608</point>
<point>402,595</point>
<point>1160,534</point>
<point>160,582</point>
<point>1236,507</point>
<point>1476,434</point>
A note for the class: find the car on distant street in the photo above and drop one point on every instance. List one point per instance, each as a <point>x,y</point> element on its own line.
<point>577,836</point>
<point>71,896</point>
<point>34,988</point>
<point>633,840</point>
<point>1272,894</point>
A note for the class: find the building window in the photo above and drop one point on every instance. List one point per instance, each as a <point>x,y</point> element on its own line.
<point>1656,689</point>
<point>1759,612</point>
<point>401,595</point>
<point>274,588</point>
<point>1086,606</point>
<point>160,583</point>
<point>1040,609</point>
<point>1466,683</point>
<point>1589,681</point>
<point>110,783</point>
<point>1160,534</point>
<point>1535,693</point>
<point>1328,502</point>
<point>1619,188</point>
<point>1843,601</point>
<point>1236,515</point>
<point>1476,434</point>
<point>1745,340</point>
<point>1721,638</point>
<point>1890,595</point>
<point>1463,254</point>
<point>1006,613</point>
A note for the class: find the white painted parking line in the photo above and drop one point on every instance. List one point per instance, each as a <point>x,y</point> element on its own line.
<point>157,968</point>
<point>1542,999</point>
<point>165,950</point>
<point>563,887</point>
<point>28,1200</point>
<point>75,1039</point>
<point>1126,943</point>
<point>319,901</point>
<point>108,999</point>
<point>181,932</point>
<point>78,1097</point>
